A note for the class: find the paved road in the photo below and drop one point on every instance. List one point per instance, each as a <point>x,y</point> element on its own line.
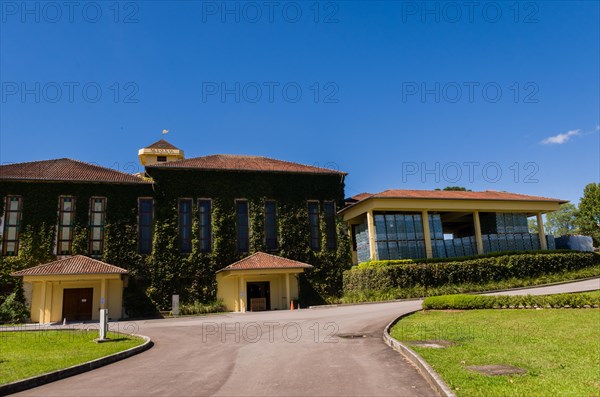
<point>299,353</point>
<point>586,285</point>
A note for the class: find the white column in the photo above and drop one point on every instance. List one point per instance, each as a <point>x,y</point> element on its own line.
<point>540,223</point>
<point>242,295</point>
<point>426,233</point>
<point>371,230</point>
<point>287,288</point>
<point>478,237</point>
<point>103,294</point>
<point>43,303</point>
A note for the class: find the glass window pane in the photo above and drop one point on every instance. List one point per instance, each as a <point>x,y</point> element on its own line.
<point>96,233</point>
<point>66,218</point>
<point>11,233</point>
<point>97,219</point>
<point>98,205</point>
<point>11,248</point>
<point>14,204</point>
<point>65,233</point>
<point>96,246</point>
<point>13,218</point>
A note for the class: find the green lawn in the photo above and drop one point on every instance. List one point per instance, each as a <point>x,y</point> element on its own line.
<point>29,353</point>
<point>559,348</point>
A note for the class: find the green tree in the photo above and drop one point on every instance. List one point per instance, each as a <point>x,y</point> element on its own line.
<point>588,215</point>
<point>563,221</point>
<point>455,188</point>
<point>533,226</point>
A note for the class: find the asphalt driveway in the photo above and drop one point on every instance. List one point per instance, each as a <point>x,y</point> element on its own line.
<point>315,352</point>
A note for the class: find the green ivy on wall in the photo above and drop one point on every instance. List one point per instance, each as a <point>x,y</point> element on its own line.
<point>154,278</point>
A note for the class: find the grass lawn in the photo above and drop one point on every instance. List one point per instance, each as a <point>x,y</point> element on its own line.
<point>29,353</point>
<point>559,349</point>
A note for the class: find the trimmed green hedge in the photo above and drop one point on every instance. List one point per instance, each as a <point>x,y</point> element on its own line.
<point>479,270</point>
<point>468,302</point>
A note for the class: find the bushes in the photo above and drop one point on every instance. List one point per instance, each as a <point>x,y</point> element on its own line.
<point>467,302</point>
<point>12,310</point>
<point>476,271</point>
<point>217,306</point>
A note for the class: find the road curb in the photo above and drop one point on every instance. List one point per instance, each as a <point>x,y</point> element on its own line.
<point>432,377</point>
<point>39,380</point>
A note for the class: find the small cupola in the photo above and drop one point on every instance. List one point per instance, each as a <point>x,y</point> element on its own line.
<point>160,152</point>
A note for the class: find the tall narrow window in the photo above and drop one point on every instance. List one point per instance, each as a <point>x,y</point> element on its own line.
<point>185,226</point>
<point>330,226</point>
<point>271,225</point>
<point>97,222</point>
<point>204,211</point>
<point>66,218</point>
<point>12,223</point>
<point>145,224</point>
<point>313,220</point>
<point>243,232</point>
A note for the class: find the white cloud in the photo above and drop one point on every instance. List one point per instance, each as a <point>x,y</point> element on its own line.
<point>561,138</point>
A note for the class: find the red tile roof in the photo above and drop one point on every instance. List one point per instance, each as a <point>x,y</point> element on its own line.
<point>77,264</point>
<point>233,162</point>
<point>65,170</point>
<point>450,195</point>
<point>162,144</point>
<point>262,261</point>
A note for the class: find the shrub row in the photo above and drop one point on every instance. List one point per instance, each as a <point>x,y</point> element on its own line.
<point>467,302</point>
<point>217,306</point>
<point>477,271</point>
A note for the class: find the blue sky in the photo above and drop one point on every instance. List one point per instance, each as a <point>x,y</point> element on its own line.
<point>414,95</point>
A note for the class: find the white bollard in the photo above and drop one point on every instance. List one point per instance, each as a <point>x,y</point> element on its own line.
<point>175,307</point>
<point>103,324</point>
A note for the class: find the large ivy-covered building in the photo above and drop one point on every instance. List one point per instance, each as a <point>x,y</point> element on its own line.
<point>178,223</point>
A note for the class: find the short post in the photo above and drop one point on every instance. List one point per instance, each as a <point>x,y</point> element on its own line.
<point>103,324</point>
<point>175,305</point>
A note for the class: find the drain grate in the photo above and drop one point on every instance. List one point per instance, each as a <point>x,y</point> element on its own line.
<point>352,336</point>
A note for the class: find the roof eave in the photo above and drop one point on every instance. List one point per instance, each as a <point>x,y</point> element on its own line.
<point>154,166</point>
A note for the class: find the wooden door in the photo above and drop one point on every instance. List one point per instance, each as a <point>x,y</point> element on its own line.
<point>77,304</point>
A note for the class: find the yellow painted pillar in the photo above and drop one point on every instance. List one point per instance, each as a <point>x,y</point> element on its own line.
<point>43,302</point>
<point>49,302</point>
<point>478,238</point>
<point>242,295</point>
<point>371,230</point>
<point>287,288</point>
<point>540,223</point>
<point>426,233</point>
<point>236,297</point>
<point>103,302</point>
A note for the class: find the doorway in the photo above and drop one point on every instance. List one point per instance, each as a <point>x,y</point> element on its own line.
<point>77,304</point>
<point>259,296</point>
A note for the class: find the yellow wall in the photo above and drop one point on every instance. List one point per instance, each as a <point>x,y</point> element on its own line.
<point>55,285</point>
<point>148,156</point>
<point>228,287</point>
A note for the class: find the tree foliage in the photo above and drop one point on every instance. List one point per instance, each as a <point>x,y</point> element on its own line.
<point>563,221</point>
<point>588,215</point>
